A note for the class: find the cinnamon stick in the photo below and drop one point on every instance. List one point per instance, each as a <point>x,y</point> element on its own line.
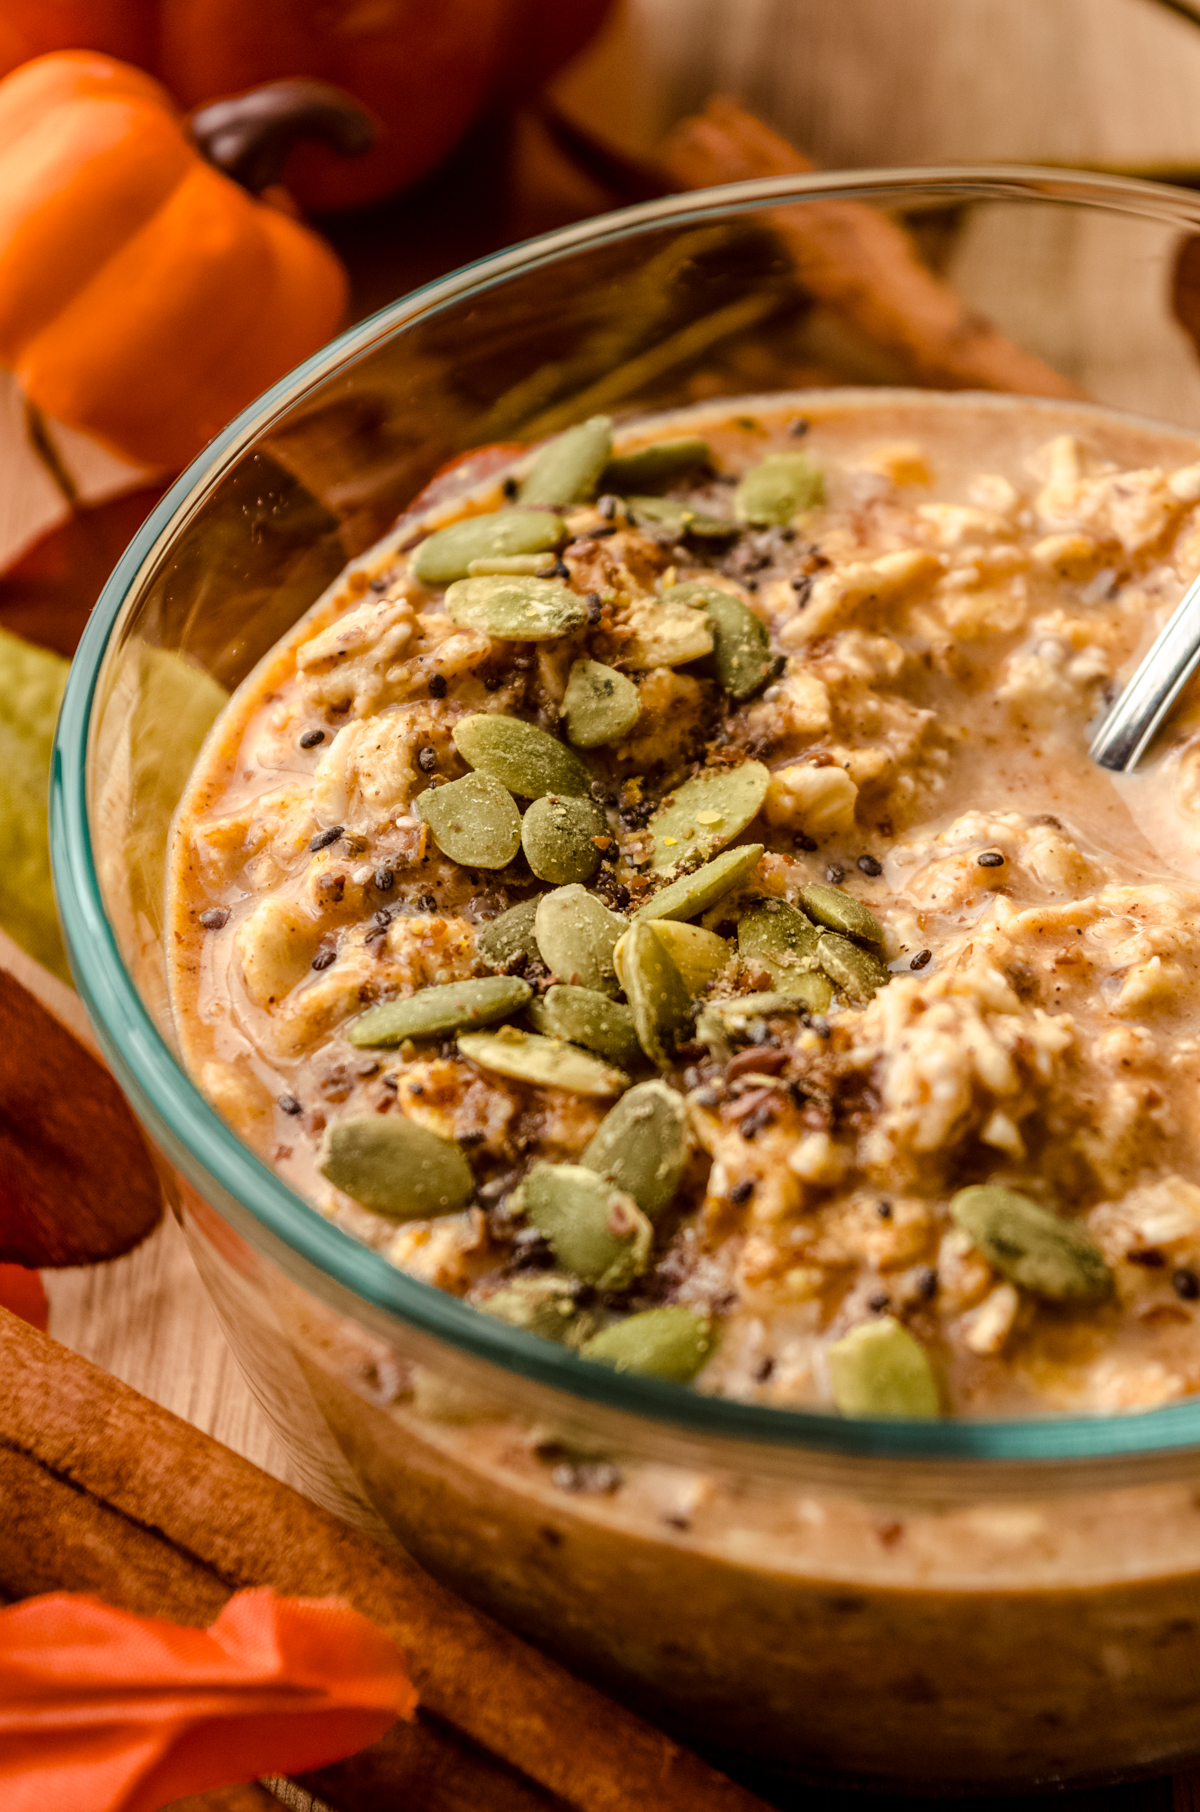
<point>77,1183</point>
<point>106,1492</point>
<point>856,260</point>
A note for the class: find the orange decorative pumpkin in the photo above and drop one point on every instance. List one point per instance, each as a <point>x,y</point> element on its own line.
<point>424,68</point>
<point>144,297</point>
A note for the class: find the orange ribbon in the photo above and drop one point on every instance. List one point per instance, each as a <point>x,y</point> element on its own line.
<point>103,1711</point>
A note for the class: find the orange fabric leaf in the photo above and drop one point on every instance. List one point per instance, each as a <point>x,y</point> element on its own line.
<point>117,1713</point>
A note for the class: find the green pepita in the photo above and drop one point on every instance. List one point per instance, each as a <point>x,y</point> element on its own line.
<point>432,1011</point>
<point>396,1168</point>
<point>509,936</point>
<point>699,955</point>
<point>584,1016</point>
<point>594,1230</point>
<point>739,1009</point>
<point>641,1146</point>
<point>780,939</point>
<point>559,837</point>
<point>707,812</point>
<point>880,1369</point>
<point>447,554</point>
<point>653,468</point>
<point>600,705</point>
<point>773,491</point>
<point>525,760</point>
<point>857,972</point>
<point>568,468</point>
<point>546,1062</point>
<point>680,518</point>
<point>527,565</point>
<point>1034,1248</point>
<point>659,1343</point>
<point>516,609</point>
<point>658,997</point>
<point>694,893</point>
<point>741,659</point>
<point>839,911</point>
<point>542,1303</point>
<point>576,934</point>
<point>473,821</point>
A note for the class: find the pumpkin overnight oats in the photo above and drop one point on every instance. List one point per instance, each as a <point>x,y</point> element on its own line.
<point>662,897</point>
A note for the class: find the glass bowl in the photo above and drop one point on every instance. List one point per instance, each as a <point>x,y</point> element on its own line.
<point>958,1604</point>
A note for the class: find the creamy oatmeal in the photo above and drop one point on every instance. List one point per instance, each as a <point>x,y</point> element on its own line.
<point>663,897</point>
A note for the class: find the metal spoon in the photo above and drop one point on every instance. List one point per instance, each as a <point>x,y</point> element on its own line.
<point>1165,670</point>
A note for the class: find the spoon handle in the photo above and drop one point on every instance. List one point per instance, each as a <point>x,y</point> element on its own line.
<point>1161,675</point>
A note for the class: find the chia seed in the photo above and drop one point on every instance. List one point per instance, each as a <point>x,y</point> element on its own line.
<point>884,1210</point>
<point>1185,1284</point>
<point>991,858</point>
<point>510,487</point>
<point>437,685</point>
<point>288,1104</point>
<point>803,589</point>
<point>323,959</point>
<point>215,919</point>
<point>870,865</point>
<point>805,842</point>
<point>835,874</point>
<point>427,902</point>
<point>595,606</point>
<point>741,1192</point>
<point>311,738</point>
<point>427,759</point>
<point>927,1282</point>
<point>323,839</point>
<point>799,427</point>
<point>384,879</point>
<point>920,959</point>
<point>879,1302</point>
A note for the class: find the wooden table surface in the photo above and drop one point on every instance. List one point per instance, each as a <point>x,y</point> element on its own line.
<point>1109,83</point>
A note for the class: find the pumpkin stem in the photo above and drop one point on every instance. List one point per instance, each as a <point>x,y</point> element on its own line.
<point>250,136</point>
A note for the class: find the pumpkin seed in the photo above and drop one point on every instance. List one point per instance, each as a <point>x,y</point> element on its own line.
<point>447,554</point>
<point>707,812</point>
<point>665,632</point>
<point>839,911</point>
<point>541,1303</point>
<point>1032,1247</point>
<point>559,838</point>
<point>568,467</point>
<point>508,936</point>
<point>680,517</point>
<point>641,1146</point>
<point>594,1230</point>
<point>740,1008</point>
<point>879,1369</point>
<point>694,893</point>
<point>547,1062</point>
<point>653,468</point>
<point>778,938</point>
<point>396,1168</point>
<point>657,995</point>
<point>772,492</point>
<point>586,1017</point>
<point>659,1343</point>
<point>599,705</point>
<point>576,934</point>
<point>741,659</point>
<point>527,564</point>
<point>515,609</point>
<point>432,1011</point>
<point>473,821</point>
<point>698,955</point>
<point>857,972</point>
<point>525,760</point>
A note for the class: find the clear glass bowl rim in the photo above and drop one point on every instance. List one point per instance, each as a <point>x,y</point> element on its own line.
<point>190,1131</point>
